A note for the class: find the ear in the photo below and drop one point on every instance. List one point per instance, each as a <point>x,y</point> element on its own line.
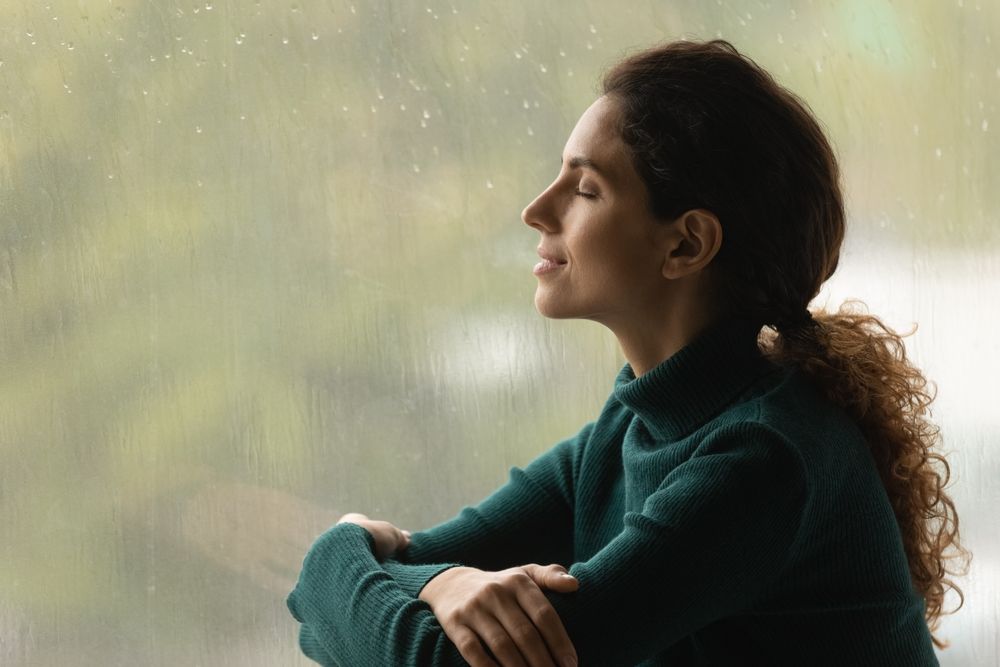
<point>692,240</point>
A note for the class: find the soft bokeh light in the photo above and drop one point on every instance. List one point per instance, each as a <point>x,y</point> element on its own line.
<point>262,264</point>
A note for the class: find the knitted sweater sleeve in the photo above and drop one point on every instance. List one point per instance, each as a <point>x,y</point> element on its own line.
<point>707,542</point>
<point>527,520</point>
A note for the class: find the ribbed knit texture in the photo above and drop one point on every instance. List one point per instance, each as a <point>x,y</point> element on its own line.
<point>718,511</point>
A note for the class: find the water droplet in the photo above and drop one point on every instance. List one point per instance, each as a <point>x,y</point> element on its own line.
<point>542,67</point>
<point>426,114</point>
<point>416,168</point>
<point>985,125</point>
<point>531,132</point>
<point>145,92</point>
<point>562,53</point>
<point>593,29</point>
<point>242,117</point>
<point>916,129</point>
<point>315,36</point>
<point>402,107</point>
<point>525,104</point>
<point>70,46</point>
<point>343,108</point>
<point>284,40</point>
<point>781,40</point>
<point>517,55</point>
<point>111,177</point>
<point>937,152</point>
<point>489,184</point>
<point>197,128</point>
<point>208,6</point>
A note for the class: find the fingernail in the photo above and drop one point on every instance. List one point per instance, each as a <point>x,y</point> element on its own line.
<point>569,661</point>
<point>406,532</point>
<point>566,575</point>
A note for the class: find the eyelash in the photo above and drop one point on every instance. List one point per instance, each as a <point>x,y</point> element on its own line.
<point>586,194</point>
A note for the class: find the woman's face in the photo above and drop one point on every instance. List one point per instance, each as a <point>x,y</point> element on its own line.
<point>595,219</point>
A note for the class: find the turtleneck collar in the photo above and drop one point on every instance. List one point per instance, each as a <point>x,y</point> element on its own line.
<point>687,389</point>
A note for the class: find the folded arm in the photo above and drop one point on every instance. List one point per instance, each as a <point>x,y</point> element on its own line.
<point>708,541</point>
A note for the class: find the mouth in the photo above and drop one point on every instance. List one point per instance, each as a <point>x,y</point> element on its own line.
<point>547,265</point>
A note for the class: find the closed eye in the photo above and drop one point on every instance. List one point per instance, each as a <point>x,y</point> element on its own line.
<point>586,194</point>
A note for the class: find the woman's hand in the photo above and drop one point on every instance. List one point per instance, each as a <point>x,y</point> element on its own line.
<point>506,611</point>
<point>388,538</point>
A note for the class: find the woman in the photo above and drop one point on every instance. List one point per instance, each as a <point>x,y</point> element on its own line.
<point>747,495</point>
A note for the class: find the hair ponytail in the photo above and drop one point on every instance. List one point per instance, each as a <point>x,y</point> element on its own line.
<point>860,364</point>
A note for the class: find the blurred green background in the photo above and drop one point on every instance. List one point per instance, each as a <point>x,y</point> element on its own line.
<point>262,263</point>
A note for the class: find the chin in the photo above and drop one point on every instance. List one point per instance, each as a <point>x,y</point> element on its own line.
<point>550,308</point>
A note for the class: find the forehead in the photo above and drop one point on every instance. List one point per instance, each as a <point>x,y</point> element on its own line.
<point>595,136</point>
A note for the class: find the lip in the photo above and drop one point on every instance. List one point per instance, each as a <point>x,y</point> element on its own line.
<point>547,266</point>
<point>545,254</point>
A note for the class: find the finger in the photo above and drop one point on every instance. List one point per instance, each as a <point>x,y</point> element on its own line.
<point>557,578</point>
<point>492,633</point>
<point>551,576</point>
<point>544,617</point>
<point>525,635</point>
<point>469,646</point>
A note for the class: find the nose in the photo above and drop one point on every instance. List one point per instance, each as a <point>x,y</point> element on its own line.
<point>537,213</point>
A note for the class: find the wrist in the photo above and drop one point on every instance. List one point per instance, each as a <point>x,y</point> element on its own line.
<point>438,581</point>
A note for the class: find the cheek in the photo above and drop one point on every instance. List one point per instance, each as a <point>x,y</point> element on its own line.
<point>614,263</point>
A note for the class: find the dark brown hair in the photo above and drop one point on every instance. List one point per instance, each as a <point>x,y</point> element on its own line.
<point>706,127</point>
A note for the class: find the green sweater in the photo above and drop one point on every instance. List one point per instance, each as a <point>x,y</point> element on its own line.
<point>719,511</point>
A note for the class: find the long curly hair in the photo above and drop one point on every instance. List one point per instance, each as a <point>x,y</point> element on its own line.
<point>706,127</point>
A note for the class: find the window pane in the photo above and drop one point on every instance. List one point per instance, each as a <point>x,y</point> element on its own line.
<point>263,264</point>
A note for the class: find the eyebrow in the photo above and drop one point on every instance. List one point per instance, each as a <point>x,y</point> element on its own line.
<point>581,161</point>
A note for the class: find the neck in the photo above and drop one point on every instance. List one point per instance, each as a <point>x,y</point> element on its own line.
<point>648,343</point>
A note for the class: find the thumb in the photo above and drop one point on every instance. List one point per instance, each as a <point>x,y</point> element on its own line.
<point>554,577</point>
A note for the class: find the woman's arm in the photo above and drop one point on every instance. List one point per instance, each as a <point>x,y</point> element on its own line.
<point>707,542</point>
<point>527,520</point>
